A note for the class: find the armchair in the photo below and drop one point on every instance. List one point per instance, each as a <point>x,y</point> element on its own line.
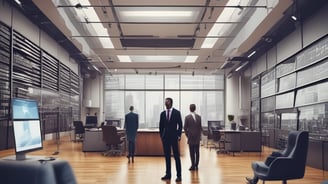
<point>113,140</point>
<point>285,165</point>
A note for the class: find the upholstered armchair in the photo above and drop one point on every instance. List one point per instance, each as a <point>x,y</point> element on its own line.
<point>288,164</point>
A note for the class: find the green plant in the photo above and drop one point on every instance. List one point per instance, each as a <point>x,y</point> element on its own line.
<point>231,117</point>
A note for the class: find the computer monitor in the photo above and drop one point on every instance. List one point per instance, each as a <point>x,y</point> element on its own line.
<point>91,121</point>
<point>214,125</point>
<point>27,137</point>
<point>26,126</point>
<point>114,122</point>
<point>23,109</point>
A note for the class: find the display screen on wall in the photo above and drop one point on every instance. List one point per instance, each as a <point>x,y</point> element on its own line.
<point>268,84</point>
<point>312,94</point>
<point>313,74</point>
<point>312,54</point>
<point>287,82</point>
<point>285,100</point>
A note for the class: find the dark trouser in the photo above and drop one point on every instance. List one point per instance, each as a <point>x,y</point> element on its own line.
<point>194,154</point>
<point>167,145</point>
<point>131,148</point>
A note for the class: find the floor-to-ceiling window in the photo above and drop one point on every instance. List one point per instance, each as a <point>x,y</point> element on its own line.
<point>147,93</point>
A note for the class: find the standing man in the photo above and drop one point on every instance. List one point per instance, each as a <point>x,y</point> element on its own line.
<point>193,130</point>
<point>131,126</point>
<point>170,128</point>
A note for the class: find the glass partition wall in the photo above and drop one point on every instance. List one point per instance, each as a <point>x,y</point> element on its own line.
<point>147,93</point>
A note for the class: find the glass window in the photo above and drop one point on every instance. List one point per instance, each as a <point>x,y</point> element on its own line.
<point>268,104</point>
<point>137,99</point>
<point>134,82</point>
<point>154,82</point>
<point>192,82</point>
<point>172,81</point>
<point>314,119</point>
<point>147,94</point>
<point>154,106</point>
<point>114,82</point>
<point>213,82</point>
<point>114,105</point>
<point>288,121</point>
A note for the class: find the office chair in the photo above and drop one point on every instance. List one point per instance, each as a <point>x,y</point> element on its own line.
<point>78,130</point>
<point>285,165</point>
<point>113,140</point>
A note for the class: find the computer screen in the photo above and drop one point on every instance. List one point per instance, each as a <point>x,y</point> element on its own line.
<point>27,137</point>
<point>24,109</point>
<point>91,121</point>
<point>114,122</point>
<point>214,125</point>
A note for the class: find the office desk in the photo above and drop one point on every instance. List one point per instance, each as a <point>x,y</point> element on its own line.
<point>93,140</point>
<point>246,141</point>
<point>149,143</point>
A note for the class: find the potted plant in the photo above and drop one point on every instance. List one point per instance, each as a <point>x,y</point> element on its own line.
<point>232,122</point>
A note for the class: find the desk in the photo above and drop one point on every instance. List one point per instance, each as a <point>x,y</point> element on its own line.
<point>237,141</point>
<point>149,143</point>
<point>93,140</point>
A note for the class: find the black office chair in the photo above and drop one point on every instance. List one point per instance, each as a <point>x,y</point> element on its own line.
<point>78,131</point>
<point>113,140</point>
<point>288,164</point>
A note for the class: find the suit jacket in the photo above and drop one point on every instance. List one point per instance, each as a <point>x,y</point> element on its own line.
<point>193,129</point>
<point>172,129</point>
<point>131,125</point>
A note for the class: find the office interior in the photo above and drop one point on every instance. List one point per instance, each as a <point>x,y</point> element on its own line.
<point>270,74</point>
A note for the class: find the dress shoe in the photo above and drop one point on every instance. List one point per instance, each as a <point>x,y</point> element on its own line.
<point>192,168</point>
<point>196,167</point>
<point>128,159</point>
<point>166,177</point>
<point>178,179</point>
<point>132,159</point>
<point>249,180</point>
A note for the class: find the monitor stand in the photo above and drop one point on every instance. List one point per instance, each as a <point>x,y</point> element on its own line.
<point>20,156</point>
<point>24,157</point>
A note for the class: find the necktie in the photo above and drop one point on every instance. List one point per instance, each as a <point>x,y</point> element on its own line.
<point>168,114</point>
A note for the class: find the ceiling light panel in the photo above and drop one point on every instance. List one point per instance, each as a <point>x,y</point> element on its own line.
<point>158,14</point>
<point>165,59</point>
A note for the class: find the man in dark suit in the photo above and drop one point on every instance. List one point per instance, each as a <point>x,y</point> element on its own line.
<point>170,128</point>
<point>193,130</point>
<point>131,126</point>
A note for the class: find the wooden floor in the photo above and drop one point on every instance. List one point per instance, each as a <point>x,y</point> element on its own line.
<point>93,168</point>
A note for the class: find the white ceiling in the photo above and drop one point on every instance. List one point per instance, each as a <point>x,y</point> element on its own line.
<point>235,39</point>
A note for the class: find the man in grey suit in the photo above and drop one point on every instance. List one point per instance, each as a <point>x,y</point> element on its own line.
<point>193,130</point>
<point>131,126</point>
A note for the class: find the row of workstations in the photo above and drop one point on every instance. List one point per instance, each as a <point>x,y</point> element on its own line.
<point>148,142</point>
